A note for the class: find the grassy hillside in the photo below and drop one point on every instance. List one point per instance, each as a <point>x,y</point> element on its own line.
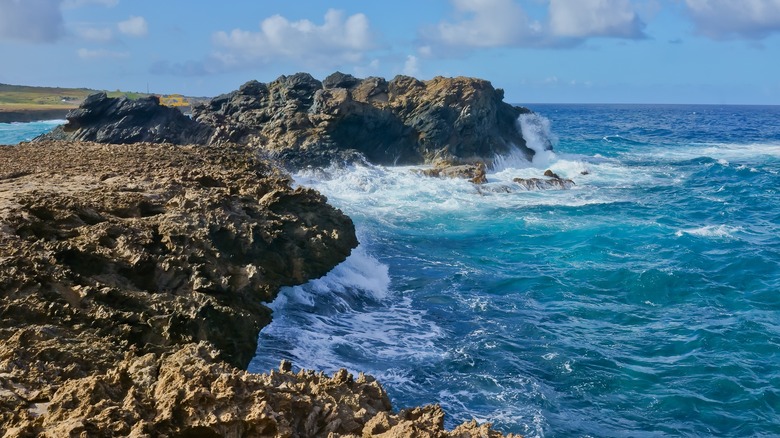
<point>21,97</point>
<point>21,103</point>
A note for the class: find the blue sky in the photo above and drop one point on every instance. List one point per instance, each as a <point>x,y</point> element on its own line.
<point>590,51</point>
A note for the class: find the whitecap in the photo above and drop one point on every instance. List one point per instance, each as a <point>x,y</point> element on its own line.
<point>715,231</point>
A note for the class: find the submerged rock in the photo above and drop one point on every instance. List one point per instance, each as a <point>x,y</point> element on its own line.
<point>475,173</point>
<point>544,184</point>
<point>549,173</point>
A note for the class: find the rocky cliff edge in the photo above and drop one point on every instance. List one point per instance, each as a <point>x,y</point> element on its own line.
<point>132,282</point>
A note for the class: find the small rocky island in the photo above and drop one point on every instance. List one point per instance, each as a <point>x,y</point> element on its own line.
<point>138,247</point>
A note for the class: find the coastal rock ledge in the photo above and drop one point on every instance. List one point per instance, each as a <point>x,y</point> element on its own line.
<point>132,283</point>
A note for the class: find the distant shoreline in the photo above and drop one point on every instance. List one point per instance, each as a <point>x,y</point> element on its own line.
<point>10,115</point>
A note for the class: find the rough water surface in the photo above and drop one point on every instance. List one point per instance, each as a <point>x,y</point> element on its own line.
<point>13,133</point>
<point>643,301</point>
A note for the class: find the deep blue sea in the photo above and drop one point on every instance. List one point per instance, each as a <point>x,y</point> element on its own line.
<point>643,302</point>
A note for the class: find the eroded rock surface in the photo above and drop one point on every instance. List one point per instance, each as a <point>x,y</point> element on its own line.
<point>555,183</point>
<point>301,121</point>
<point>402,121</point>
<point>132,279</point>
<point>190,393</point>
<point>476,173</point>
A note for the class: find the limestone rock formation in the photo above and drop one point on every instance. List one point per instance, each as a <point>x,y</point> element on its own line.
<point>132,279</point>
<point>189,393</point>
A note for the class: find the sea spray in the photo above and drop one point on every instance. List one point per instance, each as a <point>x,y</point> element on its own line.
<point>641,302</point>
<point>538,137</point>
<point>537,132</point>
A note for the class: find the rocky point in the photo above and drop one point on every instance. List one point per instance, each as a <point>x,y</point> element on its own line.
<point>132,283</point>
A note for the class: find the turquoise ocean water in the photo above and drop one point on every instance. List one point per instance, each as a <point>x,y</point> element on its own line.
<point>13,133</point>
<point>643,302</point>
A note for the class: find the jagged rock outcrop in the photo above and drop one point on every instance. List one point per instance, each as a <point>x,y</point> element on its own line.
<point>189,393</point>
<point>403,121</point>
<point>132,279</point>
<point>302,122</point>
<point>119,120</point>
<point>151,241</point>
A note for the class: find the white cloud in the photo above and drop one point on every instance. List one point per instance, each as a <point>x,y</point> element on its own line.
<point>371,69</point>
<point>339,39</point>
<point>38,21</point>
<point>504,23</point>
<point>594,18</point>
<point>486,23</point>
<point>411,66</point>
<point>134,26</point>
<point>719,19</point>
<point>101,54</point>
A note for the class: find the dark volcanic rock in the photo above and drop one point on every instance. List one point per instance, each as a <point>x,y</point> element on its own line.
<point>120,121</point>
<point>340,80</point>
<point>403,121</point>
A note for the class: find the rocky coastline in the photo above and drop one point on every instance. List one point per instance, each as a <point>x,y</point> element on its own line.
<point>138,247</point>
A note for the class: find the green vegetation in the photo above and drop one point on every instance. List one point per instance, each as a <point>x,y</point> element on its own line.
<point>25,97</point>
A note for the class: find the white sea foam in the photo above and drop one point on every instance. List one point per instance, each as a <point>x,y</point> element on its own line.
<point>513,394</point>
<point>349,310</point>
<point>724,153</point>
<point>538,136</point>
<point>716,231</point>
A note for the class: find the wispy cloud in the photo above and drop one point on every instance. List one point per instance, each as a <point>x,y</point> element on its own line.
<point>101,54</point>
<point>41,21</point>
<point>71,4</point>
<point>134,26</point>
<point>723,19</point>
<point>411,66</point>
<point>95,34</point>
<point>37,21</point>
